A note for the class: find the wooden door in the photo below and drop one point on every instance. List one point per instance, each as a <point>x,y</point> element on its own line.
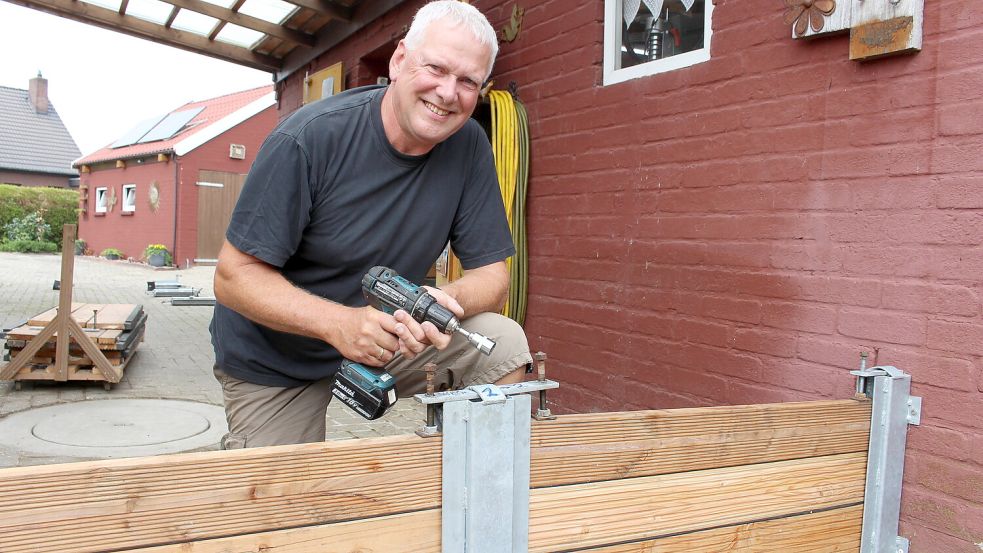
<point>217,195</point>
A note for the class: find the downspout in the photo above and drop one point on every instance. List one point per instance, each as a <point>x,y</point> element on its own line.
<point>177,185</point>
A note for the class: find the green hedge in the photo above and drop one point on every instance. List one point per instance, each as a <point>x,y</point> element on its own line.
<point>28,246</point>
<point>59,205</point>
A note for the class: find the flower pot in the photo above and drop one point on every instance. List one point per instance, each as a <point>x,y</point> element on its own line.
<point>79,250</point>
<point>112,256</point>
<point>156,259</point>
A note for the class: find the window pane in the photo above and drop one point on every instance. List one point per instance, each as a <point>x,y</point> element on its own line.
<point>676,29</point>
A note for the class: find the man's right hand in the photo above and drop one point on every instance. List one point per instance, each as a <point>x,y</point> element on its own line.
<point>366,335</point>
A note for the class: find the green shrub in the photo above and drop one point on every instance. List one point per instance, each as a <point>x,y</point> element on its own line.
<point>30,227</point>
<point>59,206</point>
<point>111,251</point>
<point>28,246</point>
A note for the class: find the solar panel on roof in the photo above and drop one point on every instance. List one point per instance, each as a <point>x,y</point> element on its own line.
<point>137,132</point>
<point>171,124</point>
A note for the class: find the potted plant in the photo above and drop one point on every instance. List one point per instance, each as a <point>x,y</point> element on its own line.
<point>111,253</point>
<point>79,246</point>
<point>157,255</point>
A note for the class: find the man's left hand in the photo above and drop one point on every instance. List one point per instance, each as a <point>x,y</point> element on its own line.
<point>415,337</point>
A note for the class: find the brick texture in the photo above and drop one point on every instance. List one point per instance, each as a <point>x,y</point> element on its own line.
<point>740,230</point>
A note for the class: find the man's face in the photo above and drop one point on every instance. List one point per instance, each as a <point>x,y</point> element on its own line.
<point>434,88</point>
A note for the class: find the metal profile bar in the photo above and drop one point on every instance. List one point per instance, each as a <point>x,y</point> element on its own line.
<point>893,409</point>
<point>485,496</point>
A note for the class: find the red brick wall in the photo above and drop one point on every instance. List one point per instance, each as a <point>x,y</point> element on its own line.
<point>129,233</point>
<point>740,230</point>
<point>214,156</point>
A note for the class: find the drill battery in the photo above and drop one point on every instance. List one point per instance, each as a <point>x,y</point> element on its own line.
<point>369,392</point>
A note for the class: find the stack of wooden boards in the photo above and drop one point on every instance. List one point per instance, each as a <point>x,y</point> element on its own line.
<point>116,329</point>
<point>783,478</point>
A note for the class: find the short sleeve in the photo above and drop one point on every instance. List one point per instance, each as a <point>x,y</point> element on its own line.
<point>274,206</point>
<point>481,234</point>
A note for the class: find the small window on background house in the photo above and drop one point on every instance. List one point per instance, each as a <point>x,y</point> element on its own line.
<point>102,199</point>
<point>129,198</point>
<point>645,37</point>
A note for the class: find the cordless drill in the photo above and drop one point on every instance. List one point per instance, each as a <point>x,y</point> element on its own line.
<point>372,392</point>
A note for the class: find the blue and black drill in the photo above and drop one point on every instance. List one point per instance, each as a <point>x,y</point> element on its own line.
<point>371,392</point>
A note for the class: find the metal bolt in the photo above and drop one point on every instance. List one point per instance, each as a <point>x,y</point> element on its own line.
<point>431,369</point>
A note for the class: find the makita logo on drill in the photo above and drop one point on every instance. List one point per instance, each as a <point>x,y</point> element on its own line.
<point>393,296</point>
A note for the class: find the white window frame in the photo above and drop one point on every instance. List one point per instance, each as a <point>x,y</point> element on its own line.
<point>129,207</point>
<point>612,48</point>
<point>101,199</point>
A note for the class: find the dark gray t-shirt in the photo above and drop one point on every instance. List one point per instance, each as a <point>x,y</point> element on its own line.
<point>328,198</point>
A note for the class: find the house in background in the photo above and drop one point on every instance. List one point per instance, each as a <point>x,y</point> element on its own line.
<point>35,147</point>
<point>174,179</point>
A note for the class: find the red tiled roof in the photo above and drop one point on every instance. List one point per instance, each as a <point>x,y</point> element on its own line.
<point>215,110</point>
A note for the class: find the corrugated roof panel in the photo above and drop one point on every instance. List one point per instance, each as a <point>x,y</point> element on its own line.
<point>274,11</point>
<point>171,124</point>
<point>194,22</point>
<point>134,135</point>
<point>240,36</point>
<point>154,11</point>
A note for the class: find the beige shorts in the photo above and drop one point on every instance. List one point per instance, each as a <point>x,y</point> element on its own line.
<point>267,415</point>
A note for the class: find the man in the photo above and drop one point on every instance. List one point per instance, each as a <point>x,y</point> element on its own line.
<point>372,176</point>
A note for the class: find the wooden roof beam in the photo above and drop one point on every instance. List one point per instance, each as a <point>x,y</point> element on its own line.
<point>243,20</point>
<point>110,19</point>
<point>326,7</point>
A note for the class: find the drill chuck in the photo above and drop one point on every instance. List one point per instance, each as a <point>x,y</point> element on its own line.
<point>482,343</point>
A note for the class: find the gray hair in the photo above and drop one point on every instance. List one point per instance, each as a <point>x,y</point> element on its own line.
<point>460,13</point>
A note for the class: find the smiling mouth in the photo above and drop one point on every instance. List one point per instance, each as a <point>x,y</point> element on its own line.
<point>436,110</point>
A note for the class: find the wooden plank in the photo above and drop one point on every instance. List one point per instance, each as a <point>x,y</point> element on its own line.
<point>417,532</point>
<point>130,503</point>
<point>837,530</point>
<point>138,502</point>
<point>112,316</point>
<point>584,515</point>
<point>605,446</point>
<point>108,337</point>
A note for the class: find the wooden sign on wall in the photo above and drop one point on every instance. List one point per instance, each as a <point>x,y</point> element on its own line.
<point>885,27</point>
<point>877,27</point>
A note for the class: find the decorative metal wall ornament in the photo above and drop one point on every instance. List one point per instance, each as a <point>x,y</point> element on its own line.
<point>511,29</point>
<point>111,198</point>
<point>877,28</point>
<point>153,196</point>
<point>808,13</point>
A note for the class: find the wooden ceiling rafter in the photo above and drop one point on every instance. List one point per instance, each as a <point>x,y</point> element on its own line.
<point>305,33</point>
<point>110,19</point>
<point>231,15</point>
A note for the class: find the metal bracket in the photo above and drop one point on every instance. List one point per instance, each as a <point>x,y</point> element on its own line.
<point>485,474</point>
<point>893,409</point>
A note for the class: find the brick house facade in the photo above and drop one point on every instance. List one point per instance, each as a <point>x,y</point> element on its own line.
<point>165,177</point>
<point>740,230</point>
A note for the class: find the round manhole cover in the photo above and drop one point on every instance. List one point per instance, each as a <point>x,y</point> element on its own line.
<point>109,425</point>
<point>114,428</point>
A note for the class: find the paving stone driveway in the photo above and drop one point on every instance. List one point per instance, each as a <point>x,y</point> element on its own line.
<point>174,361</point>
